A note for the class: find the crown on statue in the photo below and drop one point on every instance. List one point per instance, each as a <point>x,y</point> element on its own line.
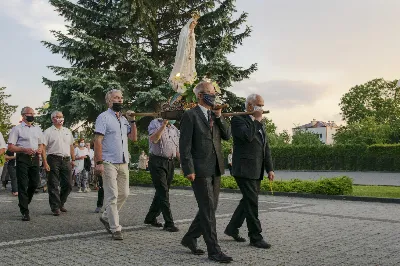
<point>195,15</point>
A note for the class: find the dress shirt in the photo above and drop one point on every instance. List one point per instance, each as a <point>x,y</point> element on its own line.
<point>58,141</point>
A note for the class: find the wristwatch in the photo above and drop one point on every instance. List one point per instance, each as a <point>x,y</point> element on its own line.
<point>99,162</point>
<point>133,121</point>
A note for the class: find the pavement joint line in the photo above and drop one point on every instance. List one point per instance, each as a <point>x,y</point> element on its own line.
<point>96,232</point>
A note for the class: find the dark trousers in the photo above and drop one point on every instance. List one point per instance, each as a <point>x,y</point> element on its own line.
<point>247,209</point>
<point>206,191</point>
<point>12,171</point>
<point>100,192</point>
<point>28,179</point>
<point>162,174</point>
<point>59,176</point>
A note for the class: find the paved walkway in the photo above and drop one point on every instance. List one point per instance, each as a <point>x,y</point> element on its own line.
<point>302,232</point>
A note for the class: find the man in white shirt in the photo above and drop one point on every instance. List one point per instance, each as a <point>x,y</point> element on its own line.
<point>26,140</point>
<point>58,146</point>
<point>2,150</point>
<point>3,146</point>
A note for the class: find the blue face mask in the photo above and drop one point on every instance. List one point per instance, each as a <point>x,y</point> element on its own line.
<point>209,99</point>
<point>172,121</point>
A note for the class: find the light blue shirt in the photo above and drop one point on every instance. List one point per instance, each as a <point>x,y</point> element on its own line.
<point>26,136</point>
<point>168,144</point>
<point>115,132</point>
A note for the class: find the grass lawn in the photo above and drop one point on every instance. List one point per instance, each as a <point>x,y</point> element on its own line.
<point>376,191</point>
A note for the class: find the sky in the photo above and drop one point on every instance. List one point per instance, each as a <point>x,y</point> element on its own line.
<point>309,53</point>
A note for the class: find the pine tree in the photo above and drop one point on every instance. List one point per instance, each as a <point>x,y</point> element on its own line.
<point>131,45</point>
<point>6,111</point>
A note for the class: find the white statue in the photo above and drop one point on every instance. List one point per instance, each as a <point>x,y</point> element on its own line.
<point>184,70</point>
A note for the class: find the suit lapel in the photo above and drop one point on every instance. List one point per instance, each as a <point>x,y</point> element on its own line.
<point>258,134</point>
<point>202,116</point>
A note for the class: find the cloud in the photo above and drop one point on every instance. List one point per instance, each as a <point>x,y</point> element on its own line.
<point>37,15</point>
<point>286,94</point>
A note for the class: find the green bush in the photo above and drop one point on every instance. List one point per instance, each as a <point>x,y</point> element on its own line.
<point>342,185</point>
<point>381,157</point>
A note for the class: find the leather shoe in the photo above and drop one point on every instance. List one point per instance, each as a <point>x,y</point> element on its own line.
<point>236,237</point>
<point>193,248</point>
<point>171,228</point>
<point>153,223</point>
<point>260,244</point>
<point>63,209</point>
<point>26,217</point>
<point>56,212</point>
<point>106,225</point>
<point>117,235</point>
<point>220,258</point>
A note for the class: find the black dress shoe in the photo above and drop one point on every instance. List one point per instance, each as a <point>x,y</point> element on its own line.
<point>237,237</point>
<point>193,248</point>
<point>26,217</point>
<point>260,244</point>
<point>220,258</point>
<point>153,223</point>
<point>172,228</point>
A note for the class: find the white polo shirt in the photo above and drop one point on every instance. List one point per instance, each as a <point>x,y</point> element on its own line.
<point>25,136</point>
<point>2,142</point>
<point>58,141</point>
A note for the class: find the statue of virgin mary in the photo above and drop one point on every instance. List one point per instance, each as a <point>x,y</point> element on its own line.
<point>184,70</point>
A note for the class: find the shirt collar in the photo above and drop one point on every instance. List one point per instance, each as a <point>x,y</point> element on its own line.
<point>25,124</point>
<point>114,113</point>
<point>205,110</point>
<point>54,127</point>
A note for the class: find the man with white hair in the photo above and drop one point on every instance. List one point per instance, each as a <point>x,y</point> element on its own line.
<point>251,155</point>
<point>111,155</point>
<point>58,159</point>
<point>26,140</point>
<point>203,163</point>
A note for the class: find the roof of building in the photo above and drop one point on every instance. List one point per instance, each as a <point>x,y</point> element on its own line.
<point>316,124</point>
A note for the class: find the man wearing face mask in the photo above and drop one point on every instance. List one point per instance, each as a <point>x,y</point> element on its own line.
<point>58,158</point>
<point>203,163</point>
<point>251,155</point>
<point>164,147</point>
<point>111,155</point>
<point>26,140</point>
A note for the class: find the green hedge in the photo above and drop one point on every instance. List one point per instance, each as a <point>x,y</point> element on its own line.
<point>342,185</point>
<point>337,157</point>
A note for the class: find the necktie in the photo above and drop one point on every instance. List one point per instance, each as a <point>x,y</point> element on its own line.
<point>210,120</point>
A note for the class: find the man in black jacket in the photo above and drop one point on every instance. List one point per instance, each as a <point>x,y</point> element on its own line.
<point>251,155</point>
<point>202,163</point>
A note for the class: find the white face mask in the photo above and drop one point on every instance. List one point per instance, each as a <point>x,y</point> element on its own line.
<point>258,108</point>
<point>82,144</point>
<point>60,121</point>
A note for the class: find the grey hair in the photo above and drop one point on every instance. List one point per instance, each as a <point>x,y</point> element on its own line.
<point>200,88</point>
<point>109,93</point>
<point>53,114</point>
<point>24,109</point>
<point>250,99</point>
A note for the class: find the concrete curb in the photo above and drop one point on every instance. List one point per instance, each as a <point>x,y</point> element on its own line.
<point>305,195</point>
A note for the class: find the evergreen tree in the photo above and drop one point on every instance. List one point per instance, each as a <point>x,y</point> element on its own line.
<point>6,111</point>
<point>131,45</point>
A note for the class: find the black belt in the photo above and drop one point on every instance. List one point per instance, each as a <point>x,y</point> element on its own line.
<point>162,157</point>
<point>64,158</point>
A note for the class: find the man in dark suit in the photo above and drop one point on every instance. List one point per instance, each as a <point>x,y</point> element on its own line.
<point>251,155</point>
<point>202,163</point>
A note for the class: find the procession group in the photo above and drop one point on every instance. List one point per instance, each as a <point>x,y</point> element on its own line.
<point>197,144</point>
